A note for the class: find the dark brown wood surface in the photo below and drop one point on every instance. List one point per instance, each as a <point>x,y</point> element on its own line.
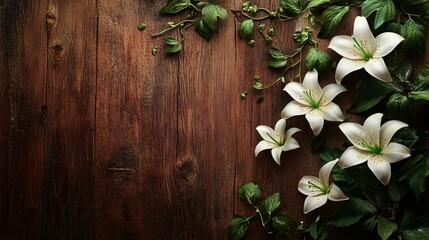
<point>101,140</point>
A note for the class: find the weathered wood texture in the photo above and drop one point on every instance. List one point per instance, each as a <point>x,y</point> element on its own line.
<point>101,140</point>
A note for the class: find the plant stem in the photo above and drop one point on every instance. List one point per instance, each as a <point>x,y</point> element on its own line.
<point>173,26</point>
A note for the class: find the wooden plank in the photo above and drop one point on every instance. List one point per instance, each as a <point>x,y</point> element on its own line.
<point>68,167</point>
<point>136,125</point>
<point>22,117</point>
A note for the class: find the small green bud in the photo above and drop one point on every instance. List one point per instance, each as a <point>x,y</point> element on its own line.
<point>261,27</point>
<point>272,31</point>
<point>181,25</point>
<point>171,24</point>
<point>246,6</point>
<point>244,94</point>
<point>190,15</point>
<point>257,78</point>
<point>251,43</point>
<point>273,14</point>
<point>258,86</point>
<point>141,26</point>
<point>254,9</point>
<point>268,39</point>
<point>260,99</point>
<point>155,50</point>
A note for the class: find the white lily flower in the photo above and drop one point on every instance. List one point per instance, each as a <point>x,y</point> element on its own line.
<point>318,190</point>
<point>362,50</point>
<point>371,143</point>
<point>313,101</point>
<point>277,140</point>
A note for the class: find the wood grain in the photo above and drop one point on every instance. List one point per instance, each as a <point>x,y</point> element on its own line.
<point>99,139</point>
<point>68,166</point>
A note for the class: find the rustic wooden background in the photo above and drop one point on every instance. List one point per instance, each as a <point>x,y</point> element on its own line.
<point>101,140</point>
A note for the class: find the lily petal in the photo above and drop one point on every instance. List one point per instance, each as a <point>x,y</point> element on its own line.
<point>354,133</point>
<point>330,91</point>
<point>395,152</point>
<point>344,45</point>
<point>291,131</point>
<point>386,42</point>
<point>313,202</point>
<point>294,108</point>
<point>378,69</point>
<point>315,119</point>
<point>332,112</point>
<point>305,188</point>
<point>311,81</point>
<point>264,131</point>
<point>353,156</point>
<point>346,66</point>
<point>263,145</point>
<point>381,168</point>
<point>372,127</point>
<point>363,34</point>
<point>290,144</point>
<point>276,153</point>
<point>296,91</point>
<point>388,129</point>
<point>280,127</point>
<point>335,194</point>
<point>325,171</point>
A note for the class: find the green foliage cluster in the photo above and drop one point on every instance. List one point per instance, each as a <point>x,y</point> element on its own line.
<point>202,15</point>
<point>274,223</point>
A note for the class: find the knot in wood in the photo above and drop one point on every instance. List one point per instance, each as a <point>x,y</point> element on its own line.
<point>51,18</point>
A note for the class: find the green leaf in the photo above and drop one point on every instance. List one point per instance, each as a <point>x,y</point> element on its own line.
<point>397,190</point>
<point>398,105</point>
<point>245,29</point>
<point>369,92</point>
<point>258,86</point>
<point>422,80</point>
<point>317,230</point>
<point>284,223</point>
<point>173,45</point>
<point>416,234</point>
<point>406,136</point>
<point>294,7</point>
<point>331,19</point>
<point>203,30</point>
<point>237,228</point>
<point>414,34</point>
<point>316,3</point>
<point>414,172</point>
<point>403,70</point>
<point>142,26</point>
<point>175,6</point>
<point>277,59</point>
<point>421,95</point>
<point>370,224</point>
<point>329,154</point>
<point>317,59</point>
<point>250,193</point>
<point>211,13</point>
<point>386,11</point>
<point>385,227</point>
<point>351,211</point>
<point>270,204</point>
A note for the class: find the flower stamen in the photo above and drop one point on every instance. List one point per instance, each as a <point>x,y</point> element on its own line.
<point>280,143</point>
<point>359,46</point>
<point>314,104</point>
